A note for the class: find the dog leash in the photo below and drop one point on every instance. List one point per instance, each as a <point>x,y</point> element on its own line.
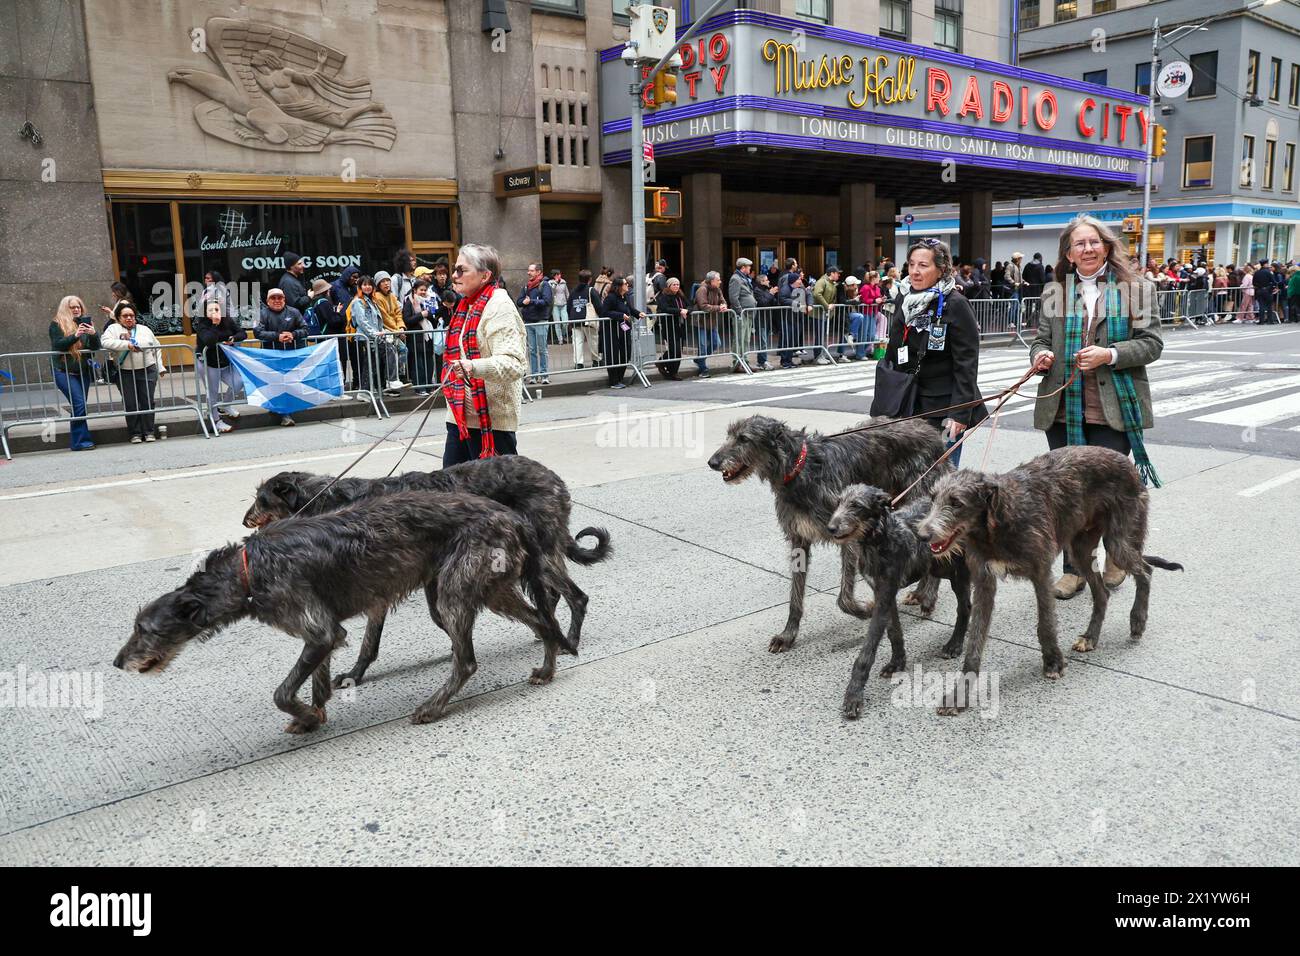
<point>424,421</point>
<point>1003,397</point>
<point>428,400</point>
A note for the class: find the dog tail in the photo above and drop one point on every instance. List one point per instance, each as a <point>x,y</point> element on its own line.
<point>600,552</point>
<point>1155,562</point>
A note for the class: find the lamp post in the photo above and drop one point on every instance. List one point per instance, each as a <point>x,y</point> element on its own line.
<point>1157,41</point>
<point>638,146</point>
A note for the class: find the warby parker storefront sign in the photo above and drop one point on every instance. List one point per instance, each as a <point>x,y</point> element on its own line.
<point>759,81</point>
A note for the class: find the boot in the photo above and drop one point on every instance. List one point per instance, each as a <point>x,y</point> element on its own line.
<point>1113,577</point>
<point>1068,586</point>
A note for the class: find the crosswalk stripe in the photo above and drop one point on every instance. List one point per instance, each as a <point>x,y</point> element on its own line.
<point>1233,393</point>
<point>1258,414</point>
<point>1183,381</point>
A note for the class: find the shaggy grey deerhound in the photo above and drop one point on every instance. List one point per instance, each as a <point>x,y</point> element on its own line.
<point>306,576</point>
<point>892,556</point>
<point>807,472</point>
<point>1018,522</point>
<point>526,486</point>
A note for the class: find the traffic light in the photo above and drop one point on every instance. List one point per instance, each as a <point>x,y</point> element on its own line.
<point>663,205</point>
<point>1158,143</point>
<point>665,88</point>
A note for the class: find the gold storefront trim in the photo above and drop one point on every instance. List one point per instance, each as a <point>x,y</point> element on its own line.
<point>206,184</point>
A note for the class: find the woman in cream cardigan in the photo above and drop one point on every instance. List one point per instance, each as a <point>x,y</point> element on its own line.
<point>138,355</point>
<point>484,362</point>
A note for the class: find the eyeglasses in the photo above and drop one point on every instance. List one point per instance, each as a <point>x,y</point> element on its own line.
<point>461,270</point>
<point>931,242</point>
<point>1082,244</point>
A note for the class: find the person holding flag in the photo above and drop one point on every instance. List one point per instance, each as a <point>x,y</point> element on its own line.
<point>484,361</point>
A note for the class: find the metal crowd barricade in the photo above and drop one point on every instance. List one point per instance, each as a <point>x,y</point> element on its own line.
<point>711,334</point>
<point>30,394</point>
<point>563,348</point>
<point>763,325</point>
<point>995,317</point>
<point>849,335</point>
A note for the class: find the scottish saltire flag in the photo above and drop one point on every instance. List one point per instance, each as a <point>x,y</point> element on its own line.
<point>289,381</point>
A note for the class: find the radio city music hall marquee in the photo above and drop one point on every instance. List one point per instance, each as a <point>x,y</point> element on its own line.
<point>749,82</point>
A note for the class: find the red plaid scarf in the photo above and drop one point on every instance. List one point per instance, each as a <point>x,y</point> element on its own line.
<point>464,328</point>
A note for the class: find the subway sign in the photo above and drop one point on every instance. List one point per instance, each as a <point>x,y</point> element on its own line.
<point>758,82</point>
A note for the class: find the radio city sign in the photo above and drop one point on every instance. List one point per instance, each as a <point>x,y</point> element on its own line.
<point>773,82</point>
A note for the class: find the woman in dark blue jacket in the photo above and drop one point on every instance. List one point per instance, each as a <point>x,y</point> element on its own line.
<point>617,313</point>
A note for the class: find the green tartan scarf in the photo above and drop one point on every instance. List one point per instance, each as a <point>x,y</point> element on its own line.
<point>1117,319</point>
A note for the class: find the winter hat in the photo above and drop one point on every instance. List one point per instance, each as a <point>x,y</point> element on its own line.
<point>380,276</point>
<point>291,259</point>
<point>319,287</point>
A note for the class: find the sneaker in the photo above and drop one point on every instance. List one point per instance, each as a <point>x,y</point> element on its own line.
<point>287,422</point>
<point>136,439</point>
<point>619,385</point>
<point>1068,586</point>
<point>842,359</point>
<point>229,413</point>
<point>223,427</point>
<point>705,374</point>
<point>397,386</point>
<point>86,447</point>
<point>578,365</point>
<point>823,360</point>
<point>546,381</point>
<point>150,437</point>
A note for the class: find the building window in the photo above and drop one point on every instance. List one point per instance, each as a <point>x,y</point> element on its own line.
<point>1205,74</point>
<point>1247,161</point>
<point>1096,76</point>
<point>1252,73</point>
<point>559,6</point>
<point>1103,6</point>
<point>1066,10</point>
<point>1028,14</point>
<point>1198,161</point>
<point>947,25</point>
<point>896,19</point>
<point>1142,78</point>
<point>563,133</point>
<point>819,10</point>
<point>1294,98</point>
<point>620,9</point>
<point>1270,154</point>
<point>1275,80</point>
<point>1288,169</point>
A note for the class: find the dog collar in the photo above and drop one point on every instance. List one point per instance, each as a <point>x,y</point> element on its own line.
<point>248,581</point>
<point>798,464</point>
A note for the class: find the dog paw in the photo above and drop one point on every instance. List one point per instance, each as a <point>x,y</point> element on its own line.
<point>852,706</point>
<point>913,598</point>
<point>540,675</point>
<point>1083,645</point>
<point>949,651</point>
<point>426,715</point>
<point>345,680</point>
<point>927,610</point>
<point>949,707</point>
<point>306,724</point>
<point>893,667</point>
<point>780,644</point>
<point>1054,671</point>
<point>1135,635</point>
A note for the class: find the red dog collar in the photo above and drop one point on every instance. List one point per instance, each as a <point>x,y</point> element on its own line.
<point>798,464</point>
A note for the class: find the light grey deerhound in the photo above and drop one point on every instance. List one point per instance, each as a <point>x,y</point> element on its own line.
<point>892,556</point>
<point>1018,522</point>
<point>306,576</point>
<point>807,471</point>
<point>526,486</point>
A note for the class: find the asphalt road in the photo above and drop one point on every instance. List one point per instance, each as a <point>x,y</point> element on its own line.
<point>675,737</point>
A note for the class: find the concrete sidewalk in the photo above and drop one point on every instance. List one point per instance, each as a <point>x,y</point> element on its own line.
<point>676,737</point>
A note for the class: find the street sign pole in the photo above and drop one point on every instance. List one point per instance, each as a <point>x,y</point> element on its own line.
<point>1151,119</point>
<point>638,141</point>
<point>638,190</point>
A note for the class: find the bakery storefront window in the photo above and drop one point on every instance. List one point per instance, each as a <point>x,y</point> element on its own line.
<point>244,245</point>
